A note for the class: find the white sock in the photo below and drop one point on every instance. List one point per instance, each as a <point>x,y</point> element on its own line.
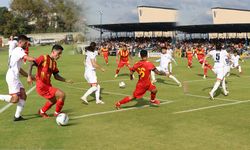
<point>19,108</point>
<point>239,69</point>
<point>224,85</point>
<point>5,98</point>
<point>172,77</point>
<point>152,75</point>
<point>90,90</point>
<point>216,85</point>
<point>97,93</point>
<point>170,67</point>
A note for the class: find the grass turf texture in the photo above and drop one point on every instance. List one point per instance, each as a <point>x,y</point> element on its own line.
<point>221,127</point>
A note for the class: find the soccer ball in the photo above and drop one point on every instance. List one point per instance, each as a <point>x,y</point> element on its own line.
<point>62,119</point>
<point>122,84</point>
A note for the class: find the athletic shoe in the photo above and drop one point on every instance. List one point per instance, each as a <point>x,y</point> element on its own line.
<point>99,102</point>
<point>116,75</point>
<point>180,85</point>
<point>84,100</point>
<point>155,102</point>
<point>56,114</point>
<point>211,96</point>
<point>118,106</point>
<point>226,93</point>
<point>204,77</point>
<point>19,118</point>
<point>44,115</point>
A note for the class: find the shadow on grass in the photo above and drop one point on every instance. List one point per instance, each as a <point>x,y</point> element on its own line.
<point>140,103</point>
<point>159,80</point>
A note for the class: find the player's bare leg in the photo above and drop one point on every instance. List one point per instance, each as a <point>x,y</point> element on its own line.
<point>124,101</point>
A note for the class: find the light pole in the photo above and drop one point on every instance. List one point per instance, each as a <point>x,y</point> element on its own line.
<point>100,12</point>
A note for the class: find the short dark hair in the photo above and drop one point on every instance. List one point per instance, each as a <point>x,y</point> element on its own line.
<point>91,47</point>
<point>57,47</point>
<point>22,38</point>
<point>144,53</point>
<point>218,46</point>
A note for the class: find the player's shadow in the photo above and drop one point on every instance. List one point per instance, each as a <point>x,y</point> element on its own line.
<point>233,74</point>
<point>139,103</point>
<point>217,92</point>
<point>159,80</point>
<point>123,74</point>
<point>201,75</point>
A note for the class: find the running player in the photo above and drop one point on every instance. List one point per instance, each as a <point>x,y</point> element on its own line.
<point>235,61</point>
<point>143,68</point>
<point>189,54</point>
<point>12,44</point>
<point>200,54</point>
<point>219,56</point>
<point>17,92</point>
<point>165,60</point>
<point>124,55</point>
<point>105,53</point>
<point>90,74</point>
<point>46,66</point>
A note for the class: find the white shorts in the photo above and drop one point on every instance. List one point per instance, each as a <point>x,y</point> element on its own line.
<point>159,68</point>
<point>220,72</point>
<point>90,76</point>
<point>14,84</point>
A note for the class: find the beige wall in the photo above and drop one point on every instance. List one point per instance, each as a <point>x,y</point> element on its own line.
<point>152,14</point>
<point>230,16</point>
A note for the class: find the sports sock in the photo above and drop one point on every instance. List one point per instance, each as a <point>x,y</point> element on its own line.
<point>152,75</point>
<point>125,100</point>
<point>172,77</point>
<point>224,85</point>
<point>47,106</point>
<point>117,71</point>
<point>152,95</point>
<point>90,90</point>
<point>205,70</point>
<point>5,98</point>
<point>59,105</point>
<point>216,85</point>
<point>239,69</point>
<point>170,67</point>
<point>97,93</point>
<point>19,108</point>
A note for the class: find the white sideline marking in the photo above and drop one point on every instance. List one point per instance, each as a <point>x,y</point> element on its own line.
<point>222,99</point>
<point>209,107</point>
<point>115,111</point>
<point>10,104</point>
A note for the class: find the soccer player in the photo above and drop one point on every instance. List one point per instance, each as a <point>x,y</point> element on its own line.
<point>90,74</point>
<point>105,53</point>
<point>220,57</point>
<point>143,68</point>
<point>189,54</point>
<point>124,55</point>
<point>165,60</point>
<point>46,66</point>
<point>235,61</point>
<point>17,92</point>
<point>26,51</point>
<point>200,54</point>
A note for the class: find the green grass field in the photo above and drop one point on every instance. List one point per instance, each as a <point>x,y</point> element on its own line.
<point>184,121</point>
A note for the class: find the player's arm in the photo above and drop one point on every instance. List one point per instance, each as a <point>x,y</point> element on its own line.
<point>30,77</point>
<point>159,72</point>
<point>204,61</point>
<point>60,78</point>
<point>29,58</point>
<point>23,72</point>
<point>93,62</point>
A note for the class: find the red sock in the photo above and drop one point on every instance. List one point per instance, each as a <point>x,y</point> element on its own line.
<point>117,71</point>
<point>47,106</point>
<point>205,70</point>
<point>59,105</point>
<point>209,66</point>
<point>125,100</point>
<point>153,95</point>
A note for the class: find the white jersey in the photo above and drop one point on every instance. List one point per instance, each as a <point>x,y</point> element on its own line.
<point>219,58</point>
<point>170,52</point>
<point>15,62</point>
<point>165,59</point>
<point>90,56</point>
<point>12,45</point>
<point>235,60</point>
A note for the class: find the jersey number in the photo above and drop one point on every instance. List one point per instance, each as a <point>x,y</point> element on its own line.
<point>217,57</point>
<point>141,72</point>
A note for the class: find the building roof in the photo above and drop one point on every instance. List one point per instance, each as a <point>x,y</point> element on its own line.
<point>157,7</point>
<point>133,27</point>
<point>231,9</point>
<point>171,26</point>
